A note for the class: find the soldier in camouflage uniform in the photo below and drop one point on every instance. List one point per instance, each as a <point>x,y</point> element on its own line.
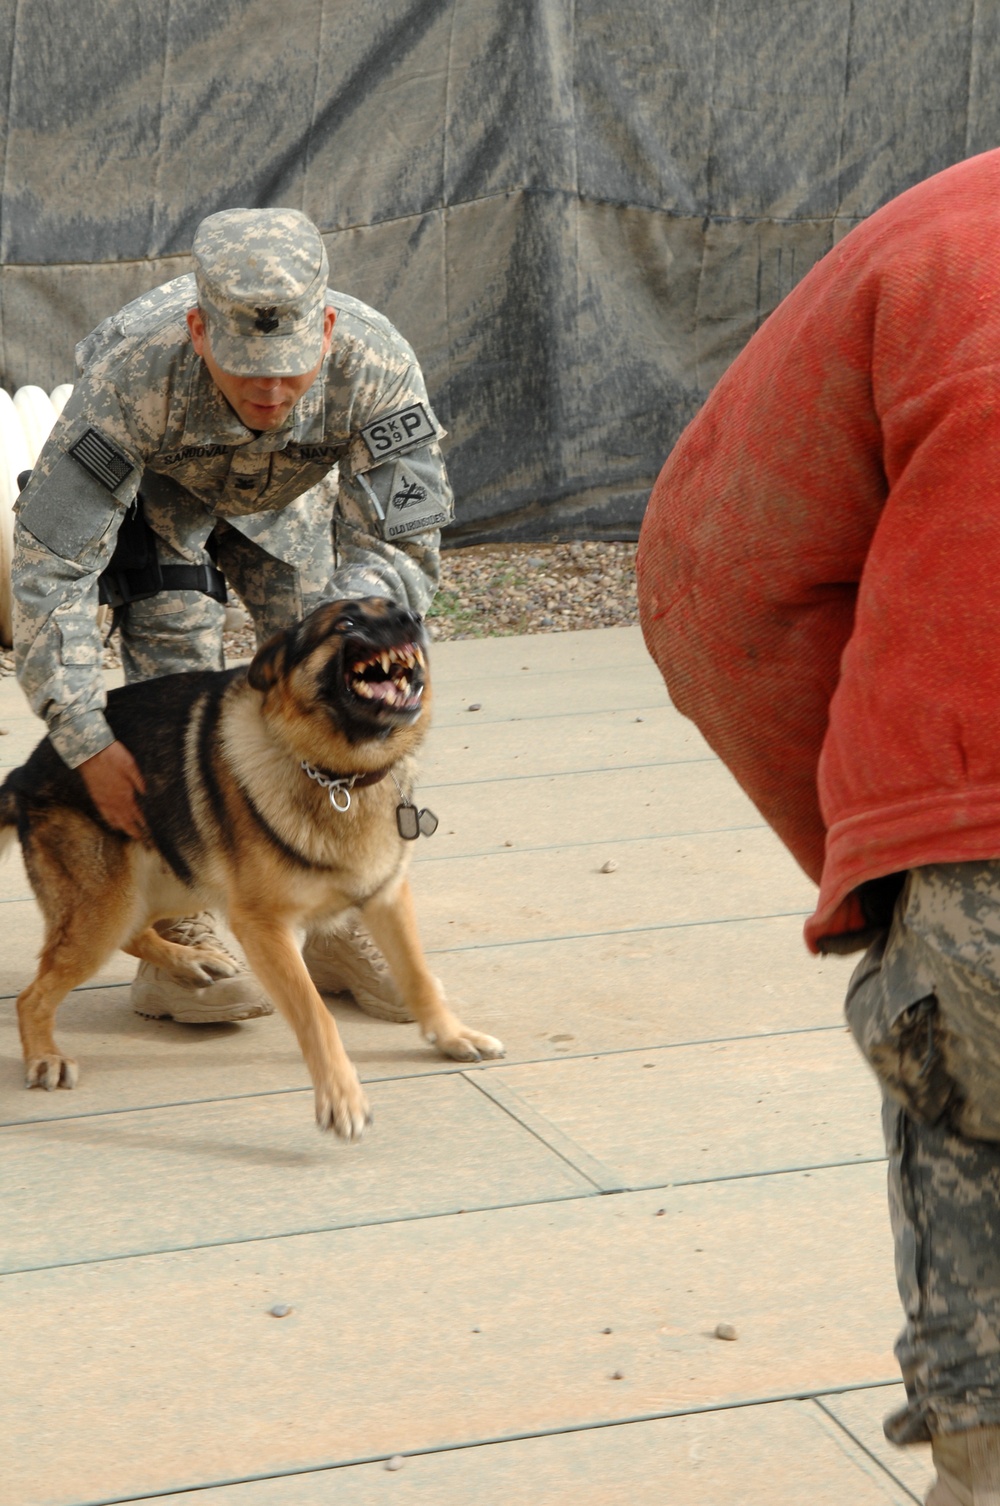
<point>278,435</point>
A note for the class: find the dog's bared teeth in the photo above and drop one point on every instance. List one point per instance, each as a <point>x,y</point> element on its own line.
<point>419,657</point>
<point>385,661</point>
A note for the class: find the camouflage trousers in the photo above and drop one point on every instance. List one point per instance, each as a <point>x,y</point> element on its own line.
<point>182,630</point>
<point>924,1006</point>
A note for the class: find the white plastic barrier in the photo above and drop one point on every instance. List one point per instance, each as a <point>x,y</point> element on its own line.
<point>14,458</point>
<point>58,396</point>
<point>37,415</point>
<point>25,421</point>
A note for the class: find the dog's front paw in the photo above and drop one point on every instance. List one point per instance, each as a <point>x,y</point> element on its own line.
<point>201,966</point>
<point>343,1108</point>
<point>465,1045</point>
<point>51,1071</point>
<point>216,964</point>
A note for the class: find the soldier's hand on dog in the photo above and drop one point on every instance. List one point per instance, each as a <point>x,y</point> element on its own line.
<point>113,780</point>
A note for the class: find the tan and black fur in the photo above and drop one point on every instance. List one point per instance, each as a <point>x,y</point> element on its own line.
<point>237,826</point>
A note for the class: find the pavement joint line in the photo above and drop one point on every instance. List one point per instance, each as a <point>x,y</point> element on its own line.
<point>769,1171</point>
<point>443,1070</point>
<point>579,1196</point>
<point>23,711</point>
<point>81,988</point>
<point>654,763</point>
<point>462,711</point>
<point>512,852</point>
<point>583,1195</point>
<point>663,925</point>
<point>489,946</point>
<point>617,768</point>
<point>480,721</point>
<point>524,1436</point>
<point>838,1422</point>
<point>608,1181</point>
<point>564,1146</point>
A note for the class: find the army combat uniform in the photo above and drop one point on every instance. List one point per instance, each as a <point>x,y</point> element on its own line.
<point>346,498</point>
<point>924,1006</point>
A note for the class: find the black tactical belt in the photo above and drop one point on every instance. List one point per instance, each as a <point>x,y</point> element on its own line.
<point>117,587</point>
<point>134,572</point>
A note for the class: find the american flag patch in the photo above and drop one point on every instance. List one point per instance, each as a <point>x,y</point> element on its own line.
<point>102,459</point>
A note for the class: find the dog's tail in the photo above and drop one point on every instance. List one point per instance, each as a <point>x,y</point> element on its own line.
<point>9,818</point>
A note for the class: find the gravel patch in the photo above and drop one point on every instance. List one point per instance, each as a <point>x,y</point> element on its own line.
<point>498,590</point>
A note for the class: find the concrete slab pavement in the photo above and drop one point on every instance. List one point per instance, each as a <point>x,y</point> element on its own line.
<point>452,1278</point>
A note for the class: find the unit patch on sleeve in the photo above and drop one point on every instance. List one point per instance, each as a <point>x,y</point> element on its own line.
<point>105,462</point>
<point>412,507</point>
<point>398,430</point>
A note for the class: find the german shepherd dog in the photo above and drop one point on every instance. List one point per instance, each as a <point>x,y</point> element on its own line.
<point>239,822</point>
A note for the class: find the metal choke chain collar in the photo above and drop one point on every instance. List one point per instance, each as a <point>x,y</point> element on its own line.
<point>334,784</point>
<point>410,822</point>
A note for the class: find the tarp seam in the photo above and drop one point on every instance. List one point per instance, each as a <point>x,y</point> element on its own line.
<point>834,218</point>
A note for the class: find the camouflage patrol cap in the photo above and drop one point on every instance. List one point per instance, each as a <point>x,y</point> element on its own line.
<point>261,276</point>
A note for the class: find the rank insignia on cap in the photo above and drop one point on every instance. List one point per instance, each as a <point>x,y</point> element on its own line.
<point>266,319</point>
<point>105,462</point>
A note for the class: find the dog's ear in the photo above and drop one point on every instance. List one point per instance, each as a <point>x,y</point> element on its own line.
<point>268,663</point>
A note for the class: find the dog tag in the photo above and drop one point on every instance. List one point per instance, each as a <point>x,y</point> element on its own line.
<point>408,821</point>
<point>412,823</point>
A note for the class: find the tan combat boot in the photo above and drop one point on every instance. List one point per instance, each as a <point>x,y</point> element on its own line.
<point>160,995</point>
<point>968,1466</point>
<point>347,961</point>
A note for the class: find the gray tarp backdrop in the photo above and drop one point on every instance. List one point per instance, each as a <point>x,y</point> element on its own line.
<point>577,211</point>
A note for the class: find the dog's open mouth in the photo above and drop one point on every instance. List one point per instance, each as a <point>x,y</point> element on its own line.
<point>390,678</point>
